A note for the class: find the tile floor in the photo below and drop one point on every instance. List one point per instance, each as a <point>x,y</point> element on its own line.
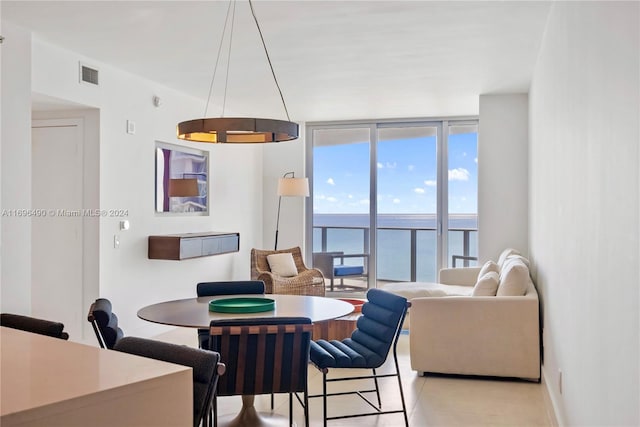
<point>431,400</point>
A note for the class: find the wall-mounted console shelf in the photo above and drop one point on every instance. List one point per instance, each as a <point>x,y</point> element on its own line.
<point>192,245</point>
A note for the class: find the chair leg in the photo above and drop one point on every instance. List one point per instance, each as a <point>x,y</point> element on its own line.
<point>404,407</point>
<point>290,409</point>
<point>324,398</point>
<point>272,401</point>
<point>215,411</point>
<point>306,407</point>
<point>375,380</point>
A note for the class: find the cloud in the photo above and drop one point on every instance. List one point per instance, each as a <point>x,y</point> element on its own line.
<point>418,190</point>
<point>411,168</point>
<point>475,160</point>
<point>458,174</point>
<point>364,201</point>
<point>396,201</point>
<point>391,165</point>
<point>350,196</point>
<point>331,199</point>
<point>330,181</point>
<point>380,165</point>
<point>430,183</point>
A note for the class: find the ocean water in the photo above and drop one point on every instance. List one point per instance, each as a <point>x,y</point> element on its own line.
<point>347,233</point>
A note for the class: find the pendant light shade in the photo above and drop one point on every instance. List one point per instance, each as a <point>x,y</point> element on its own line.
<point>238,130</point>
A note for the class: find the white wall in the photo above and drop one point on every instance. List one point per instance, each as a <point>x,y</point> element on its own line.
<point>126,176</point>
<point>15,290</point>
<point>502,175</point>
<point>584,209</point>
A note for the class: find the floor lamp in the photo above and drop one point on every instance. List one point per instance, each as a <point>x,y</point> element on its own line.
<point>288,186</point>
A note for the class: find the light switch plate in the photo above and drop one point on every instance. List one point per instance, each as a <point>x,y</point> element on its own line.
<point>131,127</point>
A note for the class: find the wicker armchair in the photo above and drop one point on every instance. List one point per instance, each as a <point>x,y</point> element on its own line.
<point>309,281</point>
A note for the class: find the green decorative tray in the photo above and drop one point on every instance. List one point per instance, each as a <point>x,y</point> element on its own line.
<point>242,305</point>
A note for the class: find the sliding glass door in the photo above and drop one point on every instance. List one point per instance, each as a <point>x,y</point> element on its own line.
<point>407,202</point>
<point>397,199</point>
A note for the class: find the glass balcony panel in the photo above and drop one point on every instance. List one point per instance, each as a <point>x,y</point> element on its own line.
<point>394,255</point>
<point>426,243</point>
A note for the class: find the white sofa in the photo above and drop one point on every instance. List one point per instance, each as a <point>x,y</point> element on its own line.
<point>478,335</point>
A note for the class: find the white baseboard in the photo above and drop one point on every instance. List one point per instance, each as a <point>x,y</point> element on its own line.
<point>551,402</point>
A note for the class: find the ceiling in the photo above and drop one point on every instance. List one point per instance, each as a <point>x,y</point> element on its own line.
<point>334,60</point>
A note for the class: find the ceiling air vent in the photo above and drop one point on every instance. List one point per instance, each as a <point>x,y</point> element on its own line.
<point>88,74</point>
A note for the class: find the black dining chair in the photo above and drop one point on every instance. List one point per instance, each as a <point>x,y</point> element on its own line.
<point>34,325</point>
<point>211,289</point>
<point>377,332</point>
<point>105,323</point>
<point>263,355</point>
<point>205,364</point>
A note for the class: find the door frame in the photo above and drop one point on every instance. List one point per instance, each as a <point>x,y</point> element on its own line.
<point>90,136</point>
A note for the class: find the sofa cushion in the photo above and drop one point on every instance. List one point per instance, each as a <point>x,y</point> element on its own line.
<point>514,278</point>
<point>347,270</point>
<point>503,256</point>
<point>487,285</point>
<point>282,265</point>
<point>411,290</point>
<point>487,267</point>
<point>511,258</point>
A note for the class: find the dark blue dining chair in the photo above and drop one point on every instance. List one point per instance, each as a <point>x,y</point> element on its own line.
<point>211,289</point>
<point>264,356</point>
<point>105,323</point>
<point>377,332</point>
<point>205,364</point>
<point>34,325</point>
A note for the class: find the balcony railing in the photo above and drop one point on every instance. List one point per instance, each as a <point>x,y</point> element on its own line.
<point>331,238</point>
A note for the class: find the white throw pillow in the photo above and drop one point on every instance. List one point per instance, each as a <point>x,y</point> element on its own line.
<point>282,265</point>
<point>503,256</point>
<point>514,279</point>
<point>487,267</point>
<point>487,285</point>
<point>511,258</point>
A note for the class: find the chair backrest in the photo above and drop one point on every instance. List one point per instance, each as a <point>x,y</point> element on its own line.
<point>379,326</point>
<point>259,260</point>
<point>104,322</point>
<point>207,289</point>
<point>205,364</point>
<point>32,324</point>
<point>324,261</point>
<point>263,355</point>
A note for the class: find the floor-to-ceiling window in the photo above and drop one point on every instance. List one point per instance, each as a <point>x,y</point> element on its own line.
<point>399,198</point>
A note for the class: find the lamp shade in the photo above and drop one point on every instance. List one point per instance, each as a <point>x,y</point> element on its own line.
<point>183,187</point>
<point>293,187</point>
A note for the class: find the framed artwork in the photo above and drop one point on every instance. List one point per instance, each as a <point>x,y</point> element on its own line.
<point>181,179</point>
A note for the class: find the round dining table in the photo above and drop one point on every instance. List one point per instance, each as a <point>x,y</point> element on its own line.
<point>195,313</point>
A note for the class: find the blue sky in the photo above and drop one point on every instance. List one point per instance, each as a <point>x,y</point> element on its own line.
<point>406,176</point>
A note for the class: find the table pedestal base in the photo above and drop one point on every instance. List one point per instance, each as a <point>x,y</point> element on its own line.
<point>248,416</point>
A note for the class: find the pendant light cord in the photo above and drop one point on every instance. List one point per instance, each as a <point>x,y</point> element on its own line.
<point>269,59</point>
<point>215,68</point>
<point>226,79</point>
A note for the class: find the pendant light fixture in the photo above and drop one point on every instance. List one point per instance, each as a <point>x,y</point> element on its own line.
<point>238,129</point>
